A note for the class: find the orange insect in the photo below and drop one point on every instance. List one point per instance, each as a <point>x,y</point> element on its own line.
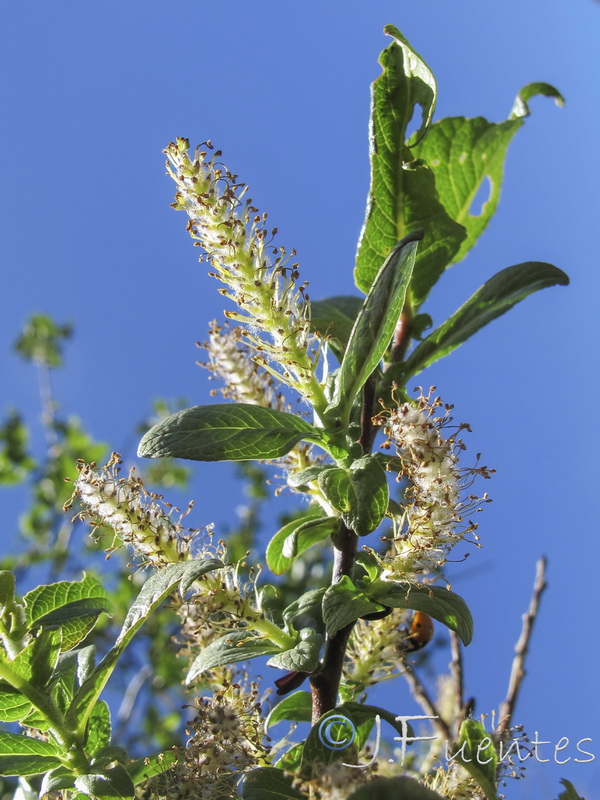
<point>420,632</point>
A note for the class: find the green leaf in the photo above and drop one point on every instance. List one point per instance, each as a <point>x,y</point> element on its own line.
<point>144,768</point>
<point>229,649</point>
<point>370,490</point>
<point>494,298</point>
<point>303,657</point>
<point>475,751</point>
<point>296,537</point>
<point>156,589</point>
<point>307,605</point>
<point>521,108</point>
<point>462,154</point>
<point>360,494</point>
<point>570,793</point>
<point>296,707</point>
<point>375,324</point>
<point>114,782</point>
<point>393,789</point>
<point>364,716</point>
<point>269,783</point>
<point>72,606</point>
<point>441,604</point>
<point>13,705</point>
<point>99,729</point>
<point>56,779</point>
<point>344,603</point>
<point>334,318</point>
<point>226,432</point>
<point>22,755</point>
<point>402,196</point>
<point>35,664</point>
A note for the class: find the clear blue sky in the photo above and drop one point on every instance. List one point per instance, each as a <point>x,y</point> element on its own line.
<point>92,92</point>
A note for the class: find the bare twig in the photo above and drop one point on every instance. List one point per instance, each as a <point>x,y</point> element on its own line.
<point>422,697</point>
<point>457,675</point>
<point>517,672</point>
<point>129,698</point>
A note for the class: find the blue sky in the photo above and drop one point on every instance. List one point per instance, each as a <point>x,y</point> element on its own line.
<point>91,93</point>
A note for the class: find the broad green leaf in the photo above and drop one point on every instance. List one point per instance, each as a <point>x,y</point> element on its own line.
<point>229,649</point>
<point>269,783</point>
<point>73,606</point>
<point>569,793</point>
<point>375,324</point>
<point>307,605</point>
<point>402,195</point>
<point>156,589</point>
<point>521,107</point>
<point>343,603</point>
<point>360,494</point>
<point>370,490</point>
<point>13,705</point>
<point>462,154</point>
<point>494,298</point>
<point>226,432</point>
<point>303,657</point>
<point>113,782</point>
<point>475,751</point>
<point>441,604</point>
<point>144,768</point>
<point>296,707</point>
<point>332,739</point>
<point>56,779</point>
<point>22,755</point>
<point>99,729</point>
<point>296,537</point>
<point>334,318</point>
<point>394,789</point>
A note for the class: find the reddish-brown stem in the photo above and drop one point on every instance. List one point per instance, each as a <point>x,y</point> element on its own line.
<point>326,682</point>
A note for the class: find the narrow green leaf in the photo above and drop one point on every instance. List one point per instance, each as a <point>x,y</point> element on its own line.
<point>375,324</point>
<point>521,107</point>
<point>295,537</point>
<point>7,590</point>
<point>229,649</point>
<point>394,789</point>
<point>343,603</point>
<point>475,751</point>
<point>156,589</point>
<point>303,657</point>
<point>22,755</point>
<point>269,783</point>
<point>441,604</point>
<point>493,299</point>
<point>226,432</point>
<point>114,782</point>
<point>296,707</point>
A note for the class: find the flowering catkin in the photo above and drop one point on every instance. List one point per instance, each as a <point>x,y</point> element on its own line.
<point>433,518</point>
<point>258,275</point>
<point>136,517</point>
